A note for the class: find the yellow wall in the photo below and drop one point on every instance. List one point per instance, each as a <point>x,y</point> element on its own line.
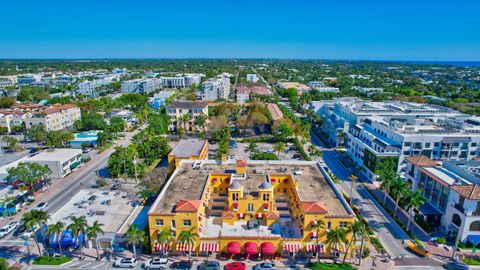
<point>172,159</point>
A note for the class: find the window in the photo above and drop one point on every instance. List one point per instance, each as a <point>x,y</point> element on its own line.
<point>250,207</point>
<point>329,226</point>
<point>187,222</point>
<point>407,143</point>
<point>456,220</point>
<point>475,226</point>
<point>474,144</point>
<point>266,197</point>
<point>159,222</point>
<point>173,224</point>
<point>235,197</point>
<point>174,234</point>
<point>427,145</point>
<point>343,224</point>
<point>437,144</point>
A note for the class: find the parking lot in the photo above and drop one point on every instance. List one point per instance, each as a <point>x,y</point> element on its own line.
<point>290,154</point>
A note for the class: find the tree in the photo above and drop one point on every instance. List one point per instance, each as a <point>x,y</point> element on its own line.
<point>413,200</point>
<point>6,102</point>
<point>386,185</point>
<point>188,237</point>
<point>91,121</point>
<point>32,219</point>
<point>251,148</point>
<point>78,227</point>
<point>11,142</point>
<point>200,121</point>
<point>134,236</point>
<point>28,172</point>
<point>36,133</point>
<point>117,125</point>
<point>356,229</point>
<point>279,147</point>
<point>92,233</point>
<point>5,266</point>
<point>56,230</point>
<point>164,237</point>
<point>318,225</point>
<point>354,179</point>
<point>6,202</point>
<point>180,132</point>
<point>57,138</point>
<point>398,191</point>
<point>336,237</point>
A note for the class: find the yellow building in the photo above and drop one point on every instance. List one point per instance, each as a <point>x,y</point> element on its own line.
<point>250,209</point>
<point>189,149</point>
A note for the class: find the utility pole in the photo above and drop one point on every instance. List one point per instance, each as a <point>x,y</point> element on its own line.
<point>455,246</point>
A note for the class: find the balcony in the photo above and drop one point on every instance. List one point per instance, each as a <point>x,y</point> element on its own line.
<point>459,208</point>
<point>476,213</point>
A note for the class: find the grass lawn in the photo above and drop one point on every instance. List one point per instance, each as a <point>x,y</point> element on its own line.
<point>327,266</point>
<point>51,260</point>
<point>104,147</point>
<point>472,261</point>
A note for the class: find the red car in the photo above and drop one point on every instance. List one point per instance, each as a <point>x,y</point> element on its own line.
<point>235,266</point>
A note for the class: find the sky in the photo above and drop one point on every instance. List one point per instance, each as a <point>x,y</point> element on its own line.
<point>415,30</point>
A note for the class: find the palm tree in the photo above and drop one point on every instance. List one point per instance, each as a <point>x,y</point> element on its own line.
<point>386,185</point>
<point>318,225</point>
<point>78,227</point>
<point>398,190</point>
<point>92,233</point>
<point>251,148</point>
<point>279,147</point>
<point>335,238</point>
<point>35,218</point>
<point>164,237</point>
<point>6,201</point>
<point>353,178</point>
<point>188,237</point>
<point>355,229</point>
<point>57,231</point>
<point>134,236</point>
<point>414,199</point>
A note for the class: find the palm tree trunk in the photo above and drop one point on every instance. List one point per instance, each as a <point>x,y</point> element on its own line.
<point>384,197</point>
<point>396,207</point>
<point>134,250</point>
<point>38,244</point>
<point>409,219</point>
<point>348,249</point>
<point>96,248</point>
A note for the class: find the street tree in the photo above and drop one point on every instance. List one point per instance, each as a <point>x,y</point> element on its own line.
<point>32,219</point>
<point>29,172</point>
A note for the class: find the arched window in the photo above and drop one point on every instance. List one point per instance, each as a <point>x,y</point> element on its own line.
<point>456,220</point>
<point>475,226</point>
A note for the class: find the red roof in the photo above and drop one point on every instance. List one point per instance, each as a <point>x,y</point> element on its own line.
<point>57,108</point>
<point>188,206</point>
<point>421,161</point>
<point>228,214</point>
<point>314,207</point>
<point>273,215</point>
<point>471,192</point>
<point>241,162</point>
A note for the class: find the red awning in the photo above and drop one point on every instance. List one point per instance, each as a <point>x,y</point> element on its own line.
<point>268,248</point>
<point>313,234</point>
<point>234,248</point>
<point>266,205</point>
<point>259,215</point>
<point>162,247</point>
<point>209,247</point>
<point>291,247</point>
<point>251,248</point>
<point>235,204</point>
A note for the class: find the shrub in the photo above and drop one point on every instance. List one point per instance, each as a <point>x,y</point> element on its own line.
<point>471,261</point>
<point>44,260</point>
<point>264,156</point>
<point>441,240</point>
<point>326,266</point>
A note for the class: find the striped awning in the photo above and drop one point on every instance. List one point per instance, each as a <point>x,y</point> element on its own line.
<point>209,247</point>
<point>259,215</point>
<point>162,247</point>
<point>183,247</point>
<point>338,248</point>
<point>313,234</point>
<point>320,248</point>
<point>291,247</point>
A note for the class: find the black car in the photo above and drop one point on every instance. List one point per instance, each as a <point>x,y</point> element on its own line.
<point>20,230</point>
<point>181,265</point>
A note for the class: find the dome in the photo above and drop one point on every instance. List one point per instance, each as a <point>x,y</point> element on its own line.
<point>265,185</point>
<point>235,184</point>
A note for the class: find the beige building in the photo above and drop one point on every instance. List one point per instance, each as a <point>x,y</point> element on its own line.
<point>184,113</point>
<point>10,119</point>
<point>56,117</point>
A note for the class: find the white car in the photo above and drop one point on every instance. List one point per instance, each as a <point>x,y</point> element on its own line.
<point>41,206</point>
<point>29,233</point>
<point>7,229</point>
<point>126,263</point>
<point>156,264</point>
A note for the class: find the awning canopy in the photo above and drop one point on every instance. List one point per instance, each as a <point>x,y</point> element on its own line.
<point>251,248</point>
<point>338,248</point>
<point>209,247</point>
<point>183,247</point>
<point>320,248</point>
<point>475,239</point>
<point>259,215</point>
<point>291,247</point>
<point>428,210</point>
<point>162,247</point>
<point>234,248</point>
<point>313,234</point>
<point>74,165</point>
<point>268,248</point>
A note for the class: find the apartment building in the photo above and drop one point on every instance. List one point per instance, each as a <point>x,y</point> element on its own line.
<point>93,88</point>
<point>12,118</point>
<point>214,89</point>
<point>181,80</point>
<point>5,83</point>
<point>184,113</point>
<point>252,78</point>
<point>57,117</point>
<point>27,79</point>
<point>141,86</point>
<point>452,189</point>
<point>159,99</point>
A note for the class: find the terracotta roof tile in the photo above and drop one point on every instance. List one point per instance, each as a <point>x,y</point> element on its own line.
<point>314,207</point>
<point>421,161</point>
<point>241,162</point>
<point>471,192</point>
<point>228,214</point>
<point>273,215</point>
<point>188,206</point>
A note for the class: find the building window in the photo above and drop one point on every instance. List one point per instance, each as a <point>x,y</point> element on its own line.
<point>475,226</point>
<point>173,224</point>
<point>266,197</point>
<point>250,207</point>
<point>234,196</point>
<point>427,145</point>
<point>329,226</point>
<point>159,222</point>
<point>456,220</point>
<point>437,144</point>
<point>174,234</point>
<point>187,223</point>
<point>343,224</point>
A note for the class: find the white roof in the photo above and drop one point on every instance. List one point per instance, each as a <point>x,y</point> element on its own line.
<point>4,168</point>
<point>58,154</point>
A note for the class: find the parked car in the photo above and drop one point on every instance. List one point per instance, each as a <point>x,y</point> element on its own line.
<point>211,265</point>
<point>235,266</point>
<point>115,187</point>
<point>29,233</point>
<point>20,230</point>
<point>181,265</point>
<point>297,156</point>
<point>156,264</point>
<point>233,144</point>
<point>126,263</point>
<point>7,229</point>
<point>456,266</point>
<point>41,206</point>
<point>86,150</point>
<point>264,266</point>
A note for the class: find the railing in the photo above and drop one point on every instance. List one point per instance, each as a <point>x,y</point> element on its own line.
<point>476,213</point>
<point>459,208</point>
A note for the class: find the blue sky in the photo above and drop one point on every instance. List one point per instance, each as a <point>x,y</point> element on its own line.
<point>349,29</point>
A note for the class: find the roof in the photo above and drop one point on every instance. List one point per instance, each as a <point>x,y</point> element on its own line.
<point>228,214</point>
<point>273,215</point>
<point>188,206</point>
<point>188,148</point>
<point>275,111</point>
<point>241,162</point>
<point>471,192</point>
<point>314,207</point>
<point>421,161</point>
<point>58,154</point>
<point>57,108</point>
<point>187,105</point>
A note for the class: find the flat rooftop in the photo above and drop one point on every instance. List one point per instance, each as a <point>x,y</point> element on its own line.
<point>188,184</point>
<point>188,148</point>
<point>58,154</point>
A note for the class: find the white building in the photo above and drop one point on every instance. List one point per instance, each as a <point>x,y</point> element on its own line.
<point>452,190</point>
<point>369,90</point>
<point>5,83</point>
<point>327,89</point>
<point>214,89</point>
<point>12,118</point>
<point>58,117</point>
<point>141,85</point>
<point>93,88</point>
<point>27,79</point>
<point>159,99</point>
<point>181,80</point>
<point>252,78</point>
